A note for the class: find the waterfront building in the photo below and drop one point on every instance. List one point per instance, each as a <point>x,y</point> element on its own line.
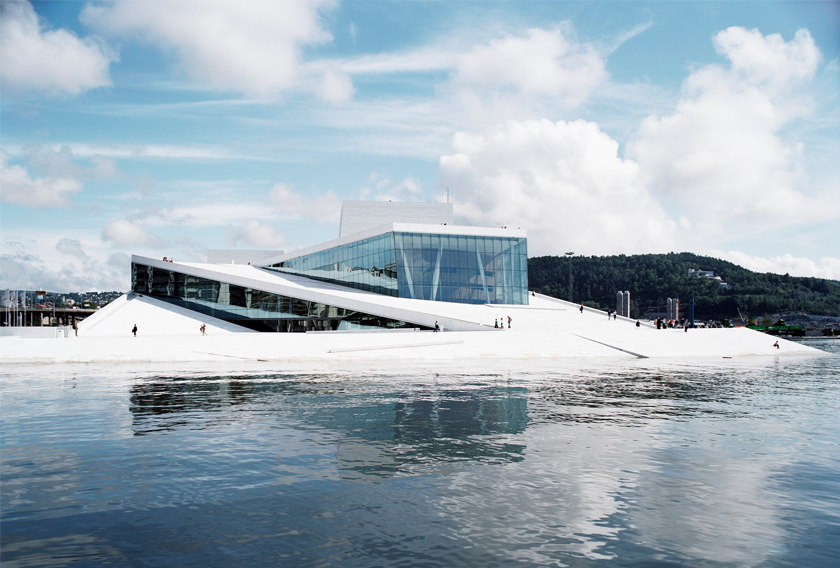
<point>373,294</point>
<point>436,263</point>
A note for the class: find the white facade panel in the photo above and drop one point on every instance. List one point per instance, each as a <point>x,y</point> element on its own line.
<point>357,216</point>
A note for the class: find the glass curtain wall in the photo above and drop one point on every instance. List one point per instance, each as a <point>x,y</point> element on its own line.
<point>255,309</point>
<point>463,269</point>
<point>443,268</point>
<point>369,265</point>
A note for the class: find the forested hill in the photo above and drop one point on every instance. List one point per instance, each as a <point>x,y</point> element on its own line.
<point>652,278</point>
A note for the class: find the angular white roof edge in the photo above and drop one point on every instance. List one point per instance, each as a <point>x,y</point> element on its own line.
<point>456,317</point>
<point>401,228</point>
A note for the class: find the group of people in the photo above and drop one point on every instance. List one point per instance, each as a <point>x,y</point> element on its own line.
<point>662,324</point>
<point>501,325</point>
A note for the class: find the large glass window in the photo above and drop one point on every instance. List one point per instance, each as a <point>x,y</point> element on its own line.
<point>248,307</point>
<point>444,268</point>
<point>465,269</point>
<point>366,265</point>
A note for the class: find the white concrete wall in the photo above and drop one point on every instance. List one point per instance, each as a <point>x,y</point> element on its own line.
<point>358,216</point>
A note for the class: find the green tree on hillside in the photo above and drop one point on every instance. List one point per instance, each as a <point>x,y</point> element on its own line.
<point>652,278</point>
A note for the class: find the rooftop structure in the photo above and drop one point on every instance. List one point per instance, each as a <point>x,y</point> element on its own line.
<point>471,265</point>
<point>357,216</point>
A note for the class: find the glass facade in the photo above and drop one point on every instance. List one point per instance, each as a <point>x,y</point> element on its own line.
<point>369,264</point>
<point>251,308</point>
<point>424,266</point>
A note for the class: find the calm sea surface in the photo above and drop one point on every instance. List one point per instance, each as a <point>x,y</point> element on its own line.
<point>712,463</point>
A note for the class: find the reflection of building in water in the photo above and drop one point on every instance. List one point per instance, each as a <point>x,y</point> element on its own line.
<point>434,428</point>
<point>166,404</point>
<point>377,433</point>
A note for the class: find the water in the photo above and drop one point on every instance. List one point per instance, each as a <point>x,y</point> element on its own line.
<point>632,464</point>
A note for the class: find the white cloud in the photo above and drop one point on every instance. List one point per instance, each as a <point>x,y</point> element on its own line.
<point>63,162</point>
<point>543,62</point>
<point>757,59</point>
<point>165,151</point>
<point>32,263</point>
<point>563,182</point>
<point>541,73</point>
<point>253,47</point>
<point>207,214</point>
<point>335,86</point>
<point>63,176</point>
<point>71,247</point>
<point>286,200</point>
<point>21,189</point>
<point>531,74</point>
<point>325,207</point>
<point>53,61</point>
<point>827,267</point>
<point>255,234</point>
<point>144,151</point>
<point>384,188</point>
<point>721,158</point>
<point>420,60</point>
<point>123,233</point>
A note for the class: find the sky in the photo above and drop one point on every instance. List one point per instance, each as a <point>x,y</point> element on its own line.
<point>166,128</point>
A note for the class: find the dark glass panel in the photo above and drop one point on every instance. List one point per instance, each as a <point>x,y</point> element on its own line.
<point>237,296</point>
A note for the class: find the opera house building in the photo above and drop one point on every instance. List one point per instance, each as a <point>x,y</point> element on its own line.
<point>426,259</point>
<point>397,273</point>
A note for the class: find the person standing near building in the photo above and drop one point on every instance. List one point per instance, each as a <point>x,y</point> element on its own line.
<point>509,320</point>
<point>134,330</point>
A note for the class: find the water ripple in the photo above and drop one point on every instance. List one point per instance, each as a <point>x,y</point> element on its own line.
<point>643,463</point>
